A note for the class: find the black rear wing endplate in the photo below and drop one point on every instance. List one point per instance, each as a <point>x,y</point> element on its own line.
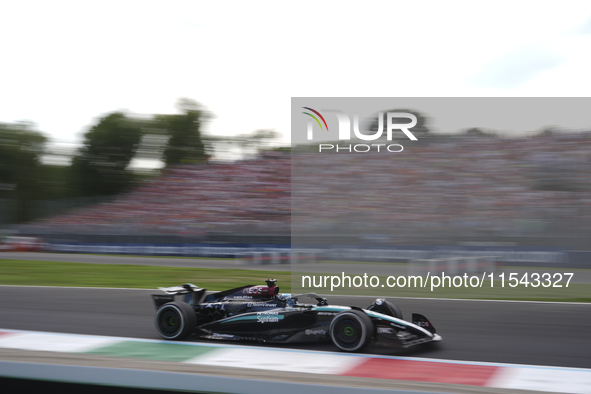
<point>193,294</point>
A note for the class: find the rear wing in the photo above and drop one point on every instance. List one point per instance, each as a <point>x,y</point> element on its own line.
<point>193,295</point>
<point>184,289</point>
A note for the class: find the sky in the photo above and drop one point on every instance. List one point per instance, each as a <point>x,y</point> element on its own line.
<point>66,63</point>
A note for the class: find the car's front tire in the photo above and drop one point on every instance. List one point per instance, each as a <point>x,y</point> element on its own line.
<point>394,310</point>
<point>380,305</point>
<point>351,330</point>
<point>175,320</point>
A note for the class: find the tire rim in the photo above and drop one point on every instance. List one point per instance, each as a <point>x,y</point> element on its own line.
<point>170,322</point>
<point>348,333</point>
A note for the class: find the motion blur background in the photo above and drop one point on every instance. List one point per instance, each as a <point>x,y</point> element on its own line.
<point>136,125</point>
<point>478,188</point>
<point>478,185</point>
<point>494,188</point>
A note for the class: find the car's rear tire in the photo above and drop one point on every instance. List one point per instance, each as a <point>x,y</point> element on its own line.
<point>351,330</point>
<point>175,320</point>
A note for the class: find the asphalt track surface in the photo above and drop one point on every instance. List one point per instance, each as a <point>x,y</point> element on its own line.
<point>554,334</point>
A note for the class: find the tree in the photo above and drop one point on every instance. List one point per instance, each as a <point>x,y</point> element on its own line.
<point>246,144</point>
<point>420,130</point>
<point>185,144</point>
<point>109,147</point>
<point>548,131</point>
<point>478,132</point>
<point>21,148</point>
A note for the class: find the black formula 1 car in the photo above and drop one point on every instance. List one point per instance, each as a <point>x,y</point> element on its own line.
<point>261,313</point>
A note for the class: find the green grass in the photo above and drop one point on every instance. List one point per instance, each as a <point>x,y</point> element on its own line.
<point>159,257</point>
<point>49,273</point>
<point>46,273</point>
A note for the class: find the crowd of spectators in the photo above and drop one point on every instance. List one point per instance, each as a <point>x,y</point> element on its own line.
<point>462,185</point>
<point>481,186</point>
<point>252,195</point>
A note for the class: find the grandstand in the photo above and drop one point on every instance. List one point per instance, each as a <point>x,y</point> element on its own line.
<point>530,191</point>
<point>191,201</point>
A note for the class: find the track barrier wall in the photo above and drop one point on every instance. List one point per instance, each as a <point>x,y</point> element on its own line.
<point>452,266</point>
<point>276,253</point>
